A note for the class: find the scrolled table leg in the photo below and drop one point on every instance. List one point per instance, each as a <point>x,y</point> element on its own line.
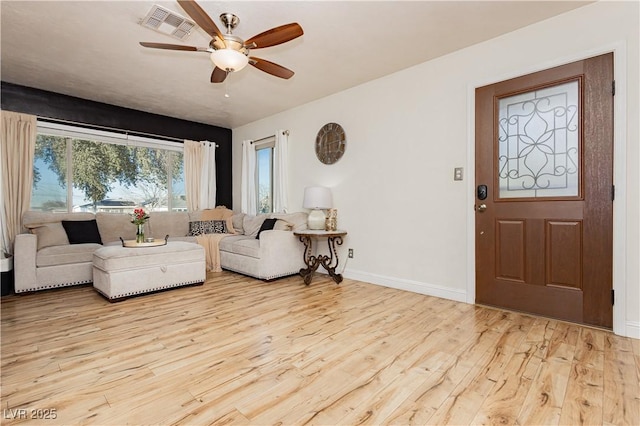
<point>328,261</point>
<point>310,260</point>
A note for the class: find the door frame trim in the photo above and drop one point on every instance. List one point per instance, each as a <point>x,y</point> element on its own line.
<point>619,49</point>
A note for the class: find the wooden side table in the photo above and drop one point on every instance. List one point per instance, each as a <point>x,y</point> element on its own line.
<point>329,262</point>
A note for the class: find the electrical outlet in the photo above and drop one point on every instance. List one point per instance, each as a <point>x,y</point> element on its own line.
<point>458,173</point>
<point>350,253</point>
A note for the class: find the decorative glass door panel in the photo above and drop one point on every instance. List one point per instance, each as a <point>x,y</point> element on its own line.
<point>539,143</point>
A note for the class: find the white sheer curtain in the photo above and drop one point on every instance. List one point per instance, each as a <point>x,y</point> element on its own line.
<point>248,184</point>
<point>192,172</point>
<point>17,150</point>
<point>200,174</point>
<point>208,176</point>
<point>281,172</point>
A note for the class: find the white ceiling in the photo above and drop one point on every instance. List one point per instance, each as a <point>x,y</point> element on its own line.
<point>90,49</point>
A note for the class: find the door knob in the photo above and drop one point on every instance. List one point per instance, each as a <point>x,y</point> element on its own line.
<point>481,208</point>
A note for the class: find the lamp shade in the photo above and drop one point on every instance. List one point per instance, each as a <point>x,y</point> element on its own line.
<point>317,197</point>
<point>229,59</point>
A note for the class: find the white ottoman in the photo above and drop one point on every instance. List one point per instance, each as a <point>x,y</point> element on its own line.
<point>120,272</point>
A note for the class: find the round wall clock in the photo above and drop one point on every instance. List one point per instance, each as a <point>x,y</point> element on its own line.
<point>330,143</point>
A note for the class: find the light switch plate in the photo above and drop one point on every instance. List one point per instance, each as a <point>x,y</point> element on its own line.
<point>458,173</point>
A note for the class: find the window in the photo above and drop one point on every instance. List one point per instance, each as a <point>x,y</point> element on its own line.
<point>264,175</point>
<point>78,169</point>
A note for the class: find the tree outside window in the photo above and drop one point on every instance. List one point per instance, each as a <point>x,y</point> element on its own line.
<point>73,174</point>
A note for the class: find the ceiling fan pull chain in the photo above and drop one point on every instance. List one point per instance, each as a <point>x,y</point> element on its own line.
<point>226,87</point>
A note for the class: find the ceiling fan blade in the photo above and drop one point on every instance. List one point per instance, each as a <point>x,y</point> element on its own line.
<point>218,75</point>
<point>168,46</point>
<point>271,68</point>
<point>202,19</point>
<point>274,36</point>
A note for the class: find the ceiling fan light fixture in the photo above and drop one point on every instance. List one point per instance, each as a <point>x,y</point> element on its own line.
<point>228,52</point>
<point>229,60</point>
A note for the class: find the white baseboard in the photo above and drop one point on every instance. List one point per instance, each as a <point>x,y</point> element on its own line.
<point>633,329</point>
<point>408,285</point>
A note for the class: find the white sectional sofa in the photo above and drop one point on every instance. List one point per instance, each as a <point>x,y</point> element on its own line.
<point>43,257</point>
<point>275,254</point>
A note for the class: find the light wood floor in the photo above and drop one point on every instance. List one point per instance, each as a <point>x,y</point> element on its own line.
<point>241,351</point>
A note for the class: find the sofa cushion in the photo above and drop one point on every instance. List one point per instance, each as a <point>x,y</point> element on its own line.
<point>82,231</point>
<point>33,218</point>
<point>161,224</point>
<point>234,244</point>
<point>237,220</point>
<point>226,244</point>
<point>196,215</point>
<point>252,224</point>
<point>267,225</point>
<point>245,246</point>
<point>50,234</point>
<point>114,226</point>
<point>66,255</point>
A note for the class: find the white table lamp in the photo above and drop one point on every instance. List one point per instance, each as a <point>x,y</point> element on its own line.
<point>317,198</point>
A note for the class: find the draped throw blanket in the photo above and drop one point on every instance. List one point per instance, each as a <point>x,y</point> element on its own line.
<point>211,242</point>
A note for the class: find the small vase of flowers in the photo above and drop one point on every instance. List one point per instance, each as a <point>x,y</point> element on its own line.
<point>139,217</point>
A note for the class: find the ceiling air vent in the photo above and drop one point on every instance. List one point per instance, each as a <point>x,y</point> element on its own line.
<point>168,22</point>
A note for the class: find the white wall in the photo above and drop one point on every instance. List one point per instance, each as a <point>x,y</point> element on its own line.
<point>410,225</point>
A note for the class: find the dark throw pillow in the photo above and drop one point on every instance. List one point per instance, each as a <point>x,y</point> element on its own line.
<point>201,227</point>
<point>82,231</point>
<point>267,225</point>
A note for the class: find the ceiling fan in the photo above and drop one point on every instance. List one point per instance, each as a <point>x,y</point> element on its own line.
<point>230,53</point>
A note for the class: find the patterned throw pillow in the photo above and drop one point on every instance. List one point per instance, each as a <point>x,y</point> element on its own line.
<point>201,227</point>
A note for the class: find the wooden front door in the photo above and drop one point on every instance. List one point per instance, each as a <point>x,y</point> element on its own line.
<point>544,201</point>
